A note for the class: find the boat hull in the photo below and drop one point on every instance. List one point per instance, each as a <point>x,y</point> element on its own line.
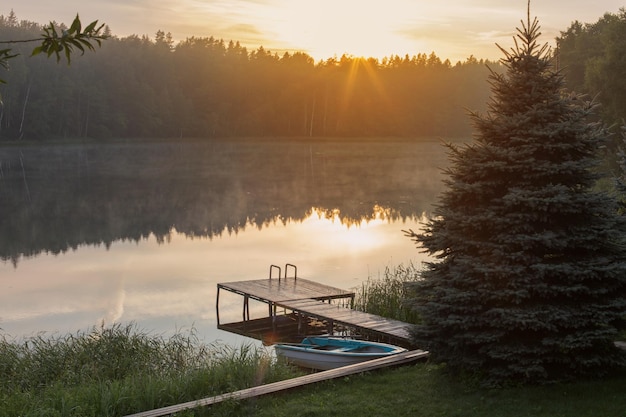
<point>323,353</point>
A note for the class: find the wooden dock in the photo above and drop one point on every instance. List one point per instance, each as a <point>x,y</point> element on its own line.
<point>308,306</point>
<point>394,360</point>
<point>312,310</point>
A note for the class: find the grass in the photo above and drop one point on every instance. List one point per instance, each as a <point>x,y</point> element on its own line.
<point>121,370</point>
<point>426,390</point>
<point>385,295</point>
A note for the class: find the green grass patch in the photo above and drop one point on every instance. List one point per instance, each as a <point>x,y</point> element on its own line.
<point>385,296</point>
<point>121,370</point>
<point>426,390</point>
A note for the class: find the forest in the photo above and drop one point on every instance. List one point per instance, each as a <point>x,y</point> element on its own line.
<point>142,87</point>
<point>591,56</point>
<point>205,87</point>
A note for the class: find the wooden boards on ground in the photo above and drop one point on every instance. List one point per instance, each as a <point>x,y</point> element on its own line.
<point>399,359</point>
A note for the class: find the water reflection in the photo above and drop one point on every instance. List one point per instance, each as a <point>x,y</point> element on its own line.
<point>94,234</point>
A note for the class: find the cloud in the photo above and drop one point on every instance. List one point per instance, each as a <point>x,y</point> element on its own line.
<point>115,313</point>
<point>453,29</point>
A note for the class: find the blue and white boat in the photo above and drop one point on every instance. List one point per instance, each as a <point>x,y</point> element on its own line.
<point>323,353</point>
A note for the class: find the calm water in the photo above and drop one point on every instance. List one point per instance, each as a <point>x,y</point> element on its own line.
<point>144,232</point>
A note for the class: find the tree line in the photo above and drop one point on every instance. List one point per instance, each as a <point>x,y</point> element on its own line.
<point>591,56</point>
<point>205,87</point>
<point>136,86</point>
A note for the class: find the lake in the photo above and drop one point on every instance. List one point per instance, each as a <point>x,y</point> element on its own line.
<point>143,231</point>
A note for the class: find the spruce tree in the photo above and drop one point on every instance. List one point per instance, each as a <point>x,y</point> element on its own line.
<point>528,282</point>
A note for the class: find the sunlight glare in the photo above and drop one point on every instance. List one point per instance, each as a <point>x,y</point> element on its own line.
<point>364,234</point>
<point>327,28</point>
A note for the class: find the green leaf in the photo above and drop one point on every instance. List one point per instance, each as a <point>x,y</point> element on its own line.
<point>76,26</point>
<point>5,55</point>
<point>85,44</point>
<point>52,31</point>
<point>37,50</point>
<point>67,55</point>
<point>90,28</point>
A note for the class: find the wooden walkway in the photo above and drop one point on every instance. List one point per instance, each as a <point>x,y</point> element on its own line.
<point>393,331</point>
<point>399,359</point>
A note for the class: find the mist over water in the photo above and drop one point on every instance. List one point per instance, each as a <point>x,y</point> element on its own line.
<point>93,234</point>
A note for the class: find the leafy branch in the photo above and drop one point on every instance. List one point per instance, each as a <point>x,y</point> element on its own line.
<point>60,42</point>
<point>5,55</point>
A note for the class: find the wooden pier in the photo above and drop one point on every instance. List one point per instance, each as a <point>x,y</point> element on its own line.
<point>308,308</point>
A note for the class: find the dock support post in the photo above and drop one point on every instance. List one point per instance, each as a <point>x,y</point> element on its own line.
<point>300,332</point>
<point>272,313</point>
<point>217,305</point>
<point>246,308</point>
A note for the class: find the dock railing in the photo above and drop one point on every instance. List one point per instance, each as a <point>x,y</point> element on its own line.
<point>295,271</point>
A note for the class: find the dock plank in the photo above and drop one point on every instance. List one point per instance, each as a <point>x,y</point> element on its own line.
<point>348,317</point>
<point>399,359</point>
<point>274,290</point>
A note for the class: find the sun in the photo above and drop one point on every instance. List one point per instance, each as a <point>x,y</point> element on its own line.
<point>325,29</point>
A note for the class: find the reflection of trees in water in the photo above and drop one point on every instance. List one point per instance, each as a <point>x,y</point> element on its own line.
<point>56,198</point>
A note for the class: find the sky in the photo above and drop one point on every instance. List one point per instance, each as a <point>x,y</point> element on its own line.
<point>452,29</point>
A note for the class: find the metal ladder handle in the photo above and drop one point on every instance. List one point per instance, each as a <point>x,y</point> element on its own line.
<point>295,270</point>
<point>277,267</point>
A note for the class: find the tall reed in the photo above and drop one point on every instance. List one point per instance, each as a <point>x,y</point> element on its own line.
<point>121,370</point>
<point>386,295</point>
